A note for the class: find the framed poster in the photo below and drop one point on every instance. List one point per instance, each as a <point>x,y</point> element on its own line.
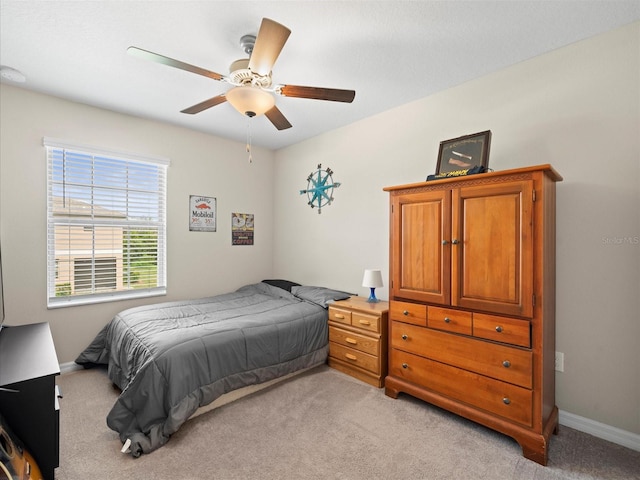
<point>464,153</point>
<point>202,213</point>
<point>242,229</point>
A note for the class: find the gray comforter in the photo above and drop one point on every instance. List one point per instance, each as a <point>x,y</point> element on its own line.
<point>171,358</point>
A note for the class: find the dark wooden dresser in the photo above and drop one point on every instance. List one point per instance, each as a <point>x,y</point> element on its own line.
<point>28,395</point>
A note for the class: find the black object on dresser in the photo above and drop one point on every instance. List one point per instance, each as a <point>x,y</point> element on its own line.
<point>28,395</point>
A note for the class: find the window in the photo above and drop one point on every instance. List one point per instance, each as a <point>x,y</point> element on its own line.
<point>99,274</point>
<point>106,225</point>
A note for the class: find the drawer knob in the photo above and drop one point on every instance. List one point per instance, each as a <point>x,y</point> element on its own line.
<point>350,340</point>
<point>506,364</point>
<point>405,336</point>
<point>405,313</point>
<point>404,365</point>
<point>506,400</point>
<point>447,320</point>
<point>445,242</point>
<point>350,357</point>
<point>455,241</point>
<point>498,329</point>
<point>364,322</point>
<point>339,317</point>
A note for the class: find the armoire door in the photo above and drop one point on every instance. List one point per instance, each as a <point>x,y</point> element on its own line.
<point>420,263</point>
<point>492,248</point>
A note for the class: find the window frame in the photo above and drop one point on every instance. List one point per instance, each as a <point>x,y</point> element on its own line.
<point>156,223</point>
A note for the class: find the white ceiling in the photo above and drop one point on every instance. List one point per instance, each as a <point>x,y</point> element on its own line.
<point>389,52</point>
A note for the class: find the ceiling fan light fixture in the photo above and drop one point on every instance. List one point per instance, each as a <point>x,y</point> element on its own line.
<point>250,101</point>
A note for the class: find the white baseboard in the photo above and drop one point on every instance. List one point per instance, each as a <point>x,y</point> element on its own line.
<point>69,367</point>
<point>582,424</point>
<point>600,430</point>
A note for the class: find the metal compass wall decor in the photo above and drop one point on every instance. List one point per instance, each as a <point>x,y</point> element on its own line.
<point>320,187</point>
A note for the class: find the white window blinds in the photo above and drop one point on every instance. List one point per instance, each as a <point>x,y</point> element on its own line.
<point>106,224</point>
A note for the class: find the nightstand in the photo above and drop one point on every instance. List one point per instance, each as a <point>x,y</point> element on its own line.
<point>358,339</point>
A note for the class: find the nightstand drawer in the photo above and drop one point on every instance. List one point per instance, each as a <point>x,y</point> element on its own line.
<point>366,322</point>
<point>353,340</point>
<point>354,357</point>
<point>340,315</point>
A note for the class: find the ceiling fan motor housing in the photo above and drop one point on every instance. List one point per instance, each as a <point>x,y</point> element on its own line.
<point>241,74</point>
<point>247,42</point>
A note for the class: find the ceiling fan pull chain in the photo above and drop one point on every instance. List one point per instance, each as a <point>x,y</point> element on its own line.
<point>249,138</point>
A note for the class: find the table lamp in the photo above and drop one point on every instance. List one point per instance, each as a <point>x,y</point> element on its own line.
<point>372,279</point>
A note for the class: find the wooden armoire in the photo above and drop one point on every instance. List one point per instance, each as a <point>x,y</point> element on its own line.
<point>472,300</point>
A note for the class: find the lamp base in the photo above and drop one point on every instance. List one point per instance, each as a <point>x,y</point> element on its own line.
<point>372,296</point>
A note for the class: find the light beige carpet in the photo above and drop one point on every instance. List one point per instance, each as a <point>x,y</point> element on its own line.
<point>321,424</point>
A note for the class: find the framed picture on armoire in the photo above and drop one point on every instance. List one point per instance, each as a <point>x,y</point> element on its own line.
<point>464,153</point>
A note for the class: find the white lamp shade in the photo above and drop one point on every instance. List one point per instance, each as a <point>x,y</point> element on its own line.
<point>250,101</point>
<point>372,279</point>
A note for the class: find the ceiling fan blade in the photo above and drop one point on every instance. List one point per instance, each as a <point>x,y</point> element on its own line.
<point>154,57</point>
<point>271,38</point>
<point>277,118</point>
<point>315,93</point>
<point>212,102</point>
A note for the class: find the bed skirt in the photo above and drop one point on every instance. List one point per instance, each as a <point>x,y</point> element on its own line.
<point>159,434</point>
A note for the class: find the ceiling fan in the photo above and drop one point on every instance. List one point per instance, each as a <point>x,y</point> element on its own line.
<point>253,89</point>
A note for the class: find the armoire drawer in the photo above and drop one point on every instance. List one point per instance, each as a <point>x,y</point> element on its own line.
<point>407,312</point>
<point>354,357</point>
<point>353,340</point>
<point>500,398</point>
<point>505,363</point>
<point>502,329</point>
<point>449,320</point>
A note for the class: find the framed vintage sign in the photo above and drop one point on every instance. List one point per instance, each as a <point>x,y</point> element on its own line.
<point>464,153</point>
<point>202,213</point>
<point>242,225</point>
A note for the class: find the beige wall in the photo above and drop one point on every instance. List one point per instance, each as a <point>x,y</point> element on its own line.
<point>577,108</point>
<point>198,263</point>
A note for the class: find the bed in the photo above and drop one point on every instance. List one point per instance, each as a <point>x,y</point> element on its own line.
<point>171,358</point>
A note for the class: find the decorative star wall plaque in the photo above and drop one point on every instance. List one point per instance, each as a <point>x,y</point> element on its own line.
<point>320,186</point>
